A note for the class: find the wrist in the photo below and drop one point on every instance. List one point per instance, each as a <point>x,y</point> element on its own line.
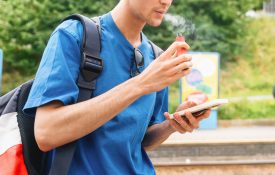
<point>170,130</point>
<point>138,86</point>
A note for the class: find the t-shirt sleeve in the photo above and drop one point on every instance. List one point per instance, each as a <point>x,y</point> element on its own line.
<point>59,67</point>
<point>161,106</point>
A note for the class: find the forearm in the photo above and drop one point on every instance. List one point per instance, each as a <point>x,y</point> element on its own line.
<point>63,124</point>
<point>56,125</point>
<point>156,135</point>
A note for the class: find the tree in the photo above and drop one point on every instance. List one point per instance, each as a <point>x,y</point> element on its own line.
<point>219,25</point>
<point>26,25</point>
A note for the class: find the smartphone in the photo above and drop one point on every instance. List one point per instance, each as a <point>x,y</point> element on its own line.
<point>200,109</point>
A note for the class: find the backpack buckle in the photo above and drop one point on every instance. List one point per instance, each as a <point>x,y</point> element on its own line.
<point>91,67</point>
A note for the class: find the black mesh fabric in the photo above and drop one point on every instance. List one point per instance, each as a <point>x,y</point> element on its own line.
<point>34,158</point>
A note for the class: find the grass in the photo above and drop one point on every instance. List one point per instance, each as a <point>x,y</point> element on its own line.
<point>174,97</point>
<point>253,72</point>
<point>248,110</point>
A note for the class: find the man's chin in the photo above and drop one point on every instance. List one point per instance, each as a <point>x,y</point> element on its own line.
<point>155,23</point>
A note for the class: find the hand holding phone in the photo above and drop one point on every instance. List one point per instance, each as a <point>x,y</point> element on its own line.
<point>200,109</point>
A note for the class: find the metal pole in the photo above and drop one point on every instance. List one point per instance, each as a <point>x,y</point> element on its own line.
<point>1,65</point>
<point>264,6</point>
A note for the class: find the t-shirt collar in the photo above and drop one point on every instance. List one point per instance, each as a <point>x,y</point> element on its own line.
<point>119,34</point>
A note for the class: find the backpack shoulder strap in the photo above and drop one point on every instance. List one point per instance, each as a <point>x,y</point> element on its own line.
<point>157,50</point>
<point>98,24</point>
<point>90,68</point>
<point>91,64</point>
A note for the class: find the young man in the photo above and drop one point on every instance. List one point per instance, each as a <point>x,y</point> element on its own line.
<point>126,115</point>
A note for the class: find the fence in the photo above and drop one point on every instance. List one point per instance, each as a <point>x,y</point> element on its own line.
<point>269,7</point>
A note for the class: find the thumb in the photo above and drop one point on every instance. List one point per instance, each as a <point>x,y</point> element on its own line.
<point>192,103</point>
<point>166,115</point>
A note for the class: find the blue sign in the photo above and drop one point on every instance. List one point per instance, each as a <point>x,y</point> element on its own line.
<point>1,65</point>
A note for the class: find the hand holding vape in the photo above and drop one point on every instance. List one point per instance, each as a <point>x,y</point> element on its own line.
<point>180,37</point>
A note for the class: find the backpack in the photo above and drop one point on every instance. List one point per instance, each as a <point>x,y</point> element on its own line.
<point>19,152</point>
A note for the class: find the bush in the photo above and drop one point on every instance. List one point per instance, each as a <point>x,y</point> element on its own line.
<point>247,110</point>
<point>252,73</point>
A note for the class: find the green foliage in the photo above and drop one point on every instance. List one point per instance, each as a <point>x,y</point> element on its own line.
<point>25,26</point>
<point>253,71</point>
<point>12,80</point>
<point>174,97</point>
<point>219,25</point>
<point>247,110</point>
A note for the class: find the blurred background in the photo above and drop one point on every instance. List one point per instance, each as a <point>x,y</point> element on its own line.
<point>242,32</point>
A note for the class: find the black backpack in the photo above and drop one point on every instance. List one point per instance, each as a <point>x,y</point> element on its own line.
<point>12,104</point>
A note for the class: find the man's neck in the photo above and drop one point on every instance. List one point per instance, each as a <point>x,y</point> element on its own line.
<point>128,23</point>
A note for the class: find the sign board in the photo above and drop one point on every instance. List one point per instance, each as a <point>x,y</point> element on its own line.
<point>202,84</point>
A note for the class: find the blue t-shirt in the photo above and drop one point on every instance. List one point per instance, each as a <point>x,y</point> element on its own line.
<point>115,147</point>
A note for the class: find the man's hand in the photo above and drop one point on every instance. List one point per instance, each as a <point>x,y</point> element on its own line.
<point>165,69</point>
<point>158,133</point>
<point>190,122</point>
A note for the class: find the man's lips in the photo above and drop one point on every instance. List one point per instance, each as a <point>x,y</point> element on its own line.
<point>161,12</point>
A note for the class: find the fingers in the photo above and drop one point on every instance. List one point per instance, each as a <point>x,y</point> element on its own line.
<point>187,123</point>
<point>181,74</point>
<point>177,127</point>
<point>180,59</point>
<point>182,122</point>
<point>174,47</point>
<point>192,120</point>
<point>180,63</point>
<point>185,105</point>
<point>205,115</point>
<point>167,116</point>
<point>187,67</point>
<point>174,77</point>
<point>174,124</point>
<point>191,103</point>
<point>181,67</point>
